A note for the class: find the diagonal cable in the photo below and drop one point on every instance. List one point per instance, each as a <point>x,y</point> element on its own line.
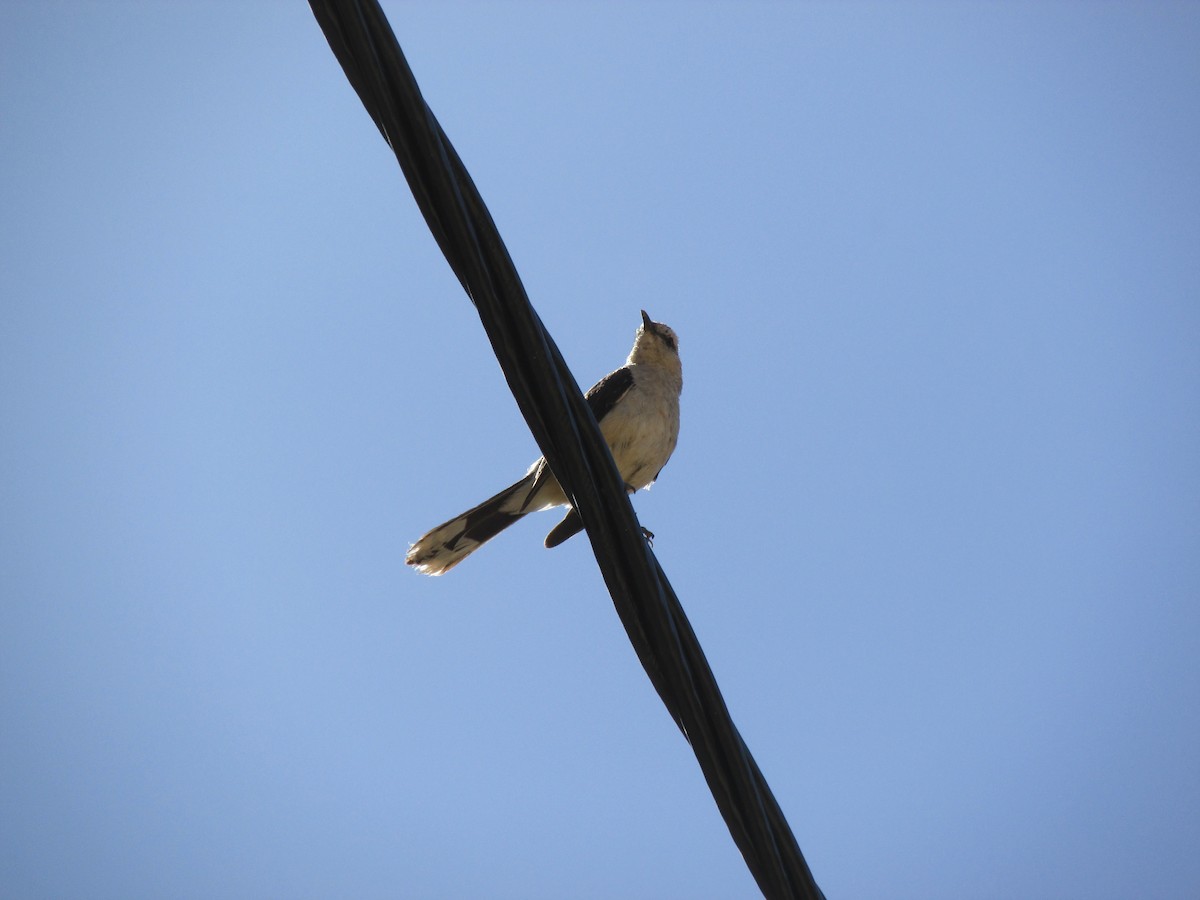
<point>567,433</point>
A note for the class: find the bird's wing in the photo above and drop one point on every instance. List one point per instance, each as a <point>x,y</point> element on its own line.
<point>603,396</point>
<point>608,391</point>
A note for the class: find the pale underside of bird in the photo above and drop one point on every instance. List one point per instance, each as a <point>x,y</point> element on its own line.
<point>637,407</point>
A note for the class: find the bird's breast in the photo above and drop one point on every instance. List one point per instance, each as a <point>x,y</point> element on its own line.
<point>642,430</point>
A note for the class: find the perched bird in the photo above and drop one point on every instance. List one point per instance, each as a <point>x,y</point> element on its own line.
<point>637,407</point>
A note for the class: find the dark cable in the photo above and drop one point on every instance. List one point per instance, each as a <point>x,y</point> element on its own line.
<point>567,433</point>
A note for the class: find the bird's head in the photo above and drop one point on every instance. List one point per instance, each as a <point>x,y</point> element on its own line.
<point>655,344</point>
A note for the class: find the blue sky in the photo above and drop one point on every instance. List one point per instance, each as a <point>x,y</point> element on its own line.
<point>935,513</point>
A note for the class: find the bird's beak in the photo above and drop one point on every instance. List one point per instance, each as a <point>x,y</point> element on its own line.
<point>646,323</point>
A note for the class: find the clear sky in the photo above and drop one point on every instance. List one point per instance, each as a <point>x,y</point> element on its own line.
<point>935,513</point>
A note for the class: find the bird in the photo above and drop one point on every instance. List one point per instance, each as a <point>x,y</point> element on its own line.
<point>637,407</point>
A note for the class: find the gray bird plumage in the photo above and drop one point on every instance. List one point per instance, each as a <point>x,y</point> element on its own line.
<point>637,407</point>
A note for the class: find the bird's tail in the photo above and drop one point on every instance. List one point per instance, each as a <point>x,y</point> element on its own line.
<point>450,543</point>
